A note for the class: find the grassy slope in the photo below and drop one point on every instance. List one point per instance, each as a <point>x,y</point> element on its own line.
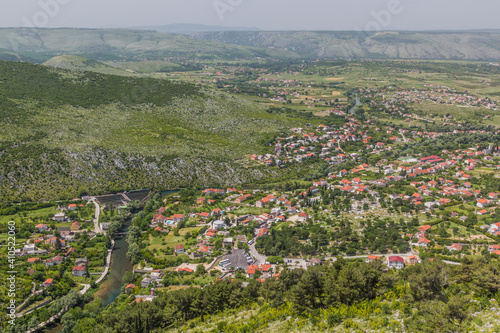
<point>63,131</point>
<point>73,62</point>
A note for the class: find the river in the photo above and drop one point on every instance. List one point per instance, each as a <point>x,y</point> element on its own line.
<point>110,289</point>
<point>353,109</point>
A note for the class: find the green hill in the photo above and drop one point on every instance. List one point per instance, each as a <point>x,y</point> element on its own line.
<point>348,44</point>
<point>64,133</point>
<point>73,62</point>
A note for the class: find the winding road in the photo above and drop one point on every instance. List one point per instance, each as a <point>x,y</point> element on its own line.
<point>97,228</point>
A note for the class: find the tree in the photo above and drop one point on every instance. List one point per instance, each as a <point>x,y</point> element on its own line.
<point>68,322</point>
<point>134,232</point>
<point>113,229</point>
<point>306,294</point>
<point>134,253</point>
<point>200,270</point>
<point>33,322</point>
<point>427,280</point>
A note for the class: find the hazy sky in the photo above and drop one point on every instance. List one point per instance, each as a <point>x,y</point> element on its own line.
<point>264,14</point>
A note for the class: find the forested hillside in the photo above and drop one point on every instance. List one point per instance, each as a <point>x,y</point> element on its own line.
<point>65,133</point>
<point>344,297</point>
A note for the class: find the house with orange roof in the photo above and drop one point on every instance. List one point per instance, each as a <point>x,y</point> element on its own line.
<point>263,202</point>
<point>373,258</point>
<point>414,260</point>
<point>482,203</point>
<point>185,269</point>
<point>424,242</point>
<point>78,271</point>
<point>204,215</point>
<point>130,287</point>
<point>262,232</point>
<point>160,210</point>
<point>179,248</point>
<point>178,217</point>
<point>492,248</point>
<point>266,267</point>
<point>356,180</point>
<point>70,251</point>
<point>48,283</point>
<point>251,270</point>
<point>242,198</point>
<point>424,228</point>
<point>455,247</point>
<point>205,250</point>
<point>42,227</point>
<point>75,226</point>
<point>303,217</point>
<point>417,197</point>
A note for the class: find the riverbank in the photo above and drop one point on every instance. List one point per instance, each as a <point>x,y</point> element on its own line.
<point>116,265</point>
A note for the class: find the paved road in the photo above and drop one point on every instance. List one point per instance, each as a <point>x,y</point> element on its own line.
<point>404,138</point>
<point>108,262</point>
<point>97,228</point>
<point>259,258</point>
<point>85,288</point>
<point>48,321</point>
<point>28,298</point>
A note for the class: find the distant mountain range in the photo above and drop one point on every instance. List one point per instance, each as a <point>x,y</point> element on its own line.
<point>190,29</point>
<point>39,45</point>
<point>387,44</point>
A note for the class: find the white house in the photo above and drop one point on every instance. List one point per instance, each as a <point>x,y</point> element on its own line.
<point>60,217</point>
<point>78,271</point>
<point>219,224</point>
<point>396,262</point>
<point>481,203</point>
<point>179,249</point>
<point>423,242</point>
<point>494,228</point>
<point>42,227</point>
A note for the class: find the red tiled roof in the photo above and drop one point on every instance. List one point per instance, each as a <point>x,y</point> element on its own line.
<point>396,258</point>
